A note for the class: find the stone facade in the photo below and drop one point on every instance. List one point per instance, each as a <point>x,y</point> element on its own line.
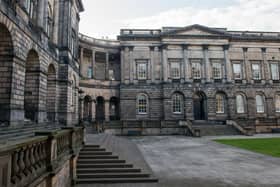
<point>194,73</point>
<point>39,61</point>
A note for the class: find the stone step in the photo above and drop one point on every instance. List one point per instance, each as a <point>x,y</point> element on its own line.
<point>216,130</point>
<point>94,153</point>
<point>107,170</point>
<point>93,149</point>
<point>100,161</point>
<point>116,180</point>
<point>112,175</point>
<point>105,165</point>
<point>92,146</point>
<point>97,157</point>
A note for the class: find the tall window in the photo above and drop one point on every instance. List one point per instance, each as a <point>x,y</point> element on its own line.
<point>177,103</point>
<point>142,71</point>
<point>220,102</point>
<point>259,104</point>
<point>175,70</point>
<point>89,72</point>
<point>274,68</point>
<point>142,104</point>
<point>217,70</point>
<point>256,71</point>
<point>237,71</point>
<point>196,70</point>
<point>240,104</point>
<point>49,21</point>
<point>111,75</point>
<point>277,103</point>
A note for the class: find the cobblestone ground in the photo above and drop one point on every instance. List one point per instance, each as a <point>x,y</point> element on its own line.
<point>200,162</point>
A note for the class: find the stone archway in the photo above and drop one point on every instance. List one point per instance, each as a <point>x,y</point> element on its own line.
<point>200,106</point>
<point>51,94</point>
<point>32,86</point>
<point>100,109</point>
<point>6,70</point>
<point>87,108</point>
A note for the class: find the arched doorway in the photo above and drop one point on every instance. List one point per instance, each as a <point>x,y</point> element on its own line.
<point>200,106</point>
<point>114,108</point>
<point>32,86</point>
<point>87,108</point>
<point>6,67</point>
<point>51,94</point>
<point>100,109</point>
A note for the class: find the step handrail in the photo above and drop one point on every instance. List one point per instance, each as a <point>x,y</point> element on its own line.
<point>241,129</point>
<point>188,125</point>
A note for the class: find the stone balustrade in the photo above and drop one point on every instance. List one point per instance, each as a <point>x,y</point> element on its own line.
<point>48,159</point>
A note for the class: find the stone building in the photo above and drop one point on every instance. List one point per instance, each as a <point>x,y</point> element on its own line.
<point>185,73</point>
<point>39,67</point>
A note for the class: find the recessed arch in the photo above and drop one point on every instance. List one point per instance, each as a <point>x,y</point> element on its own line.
<point>200,105</point>
<point>87,108</point>
<point>100,108</point>
<point>51,93</point>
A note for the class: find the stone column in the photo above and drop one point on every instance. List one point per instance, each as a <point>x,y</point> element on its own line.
<point>152,64</point>
<point>246,66</point>
<point>266,74</point>
<point>207,67</point>
<point>131,65</point>
<point>122,65</point>
<point>93,110</point>
<point>93,63</point>
<point>186,66</point>
<point>165,63</point>
<point>81,113</point>
<point>81,61</point>
<point>107,67</point>
<point>107,110</point>
<point>227,65</point>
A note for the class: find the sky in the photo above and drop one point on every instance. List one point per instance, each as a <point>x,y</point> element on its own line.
<point>105,18</point>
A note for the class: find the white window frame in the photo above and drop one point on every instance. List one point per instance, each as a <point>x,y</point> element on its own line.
<point>177,103</point>
<point>142,74</point>
<point>235,73</point>
<point>142,104</point>
<point>256,72</point>
<point>196,70</point>
<point>240,104</point>
<point>274,75</point>
<point>175,70</point>
<point>220,104</point>
<point>277,103</point>
<point>260,104</point>
<point>217,70</point>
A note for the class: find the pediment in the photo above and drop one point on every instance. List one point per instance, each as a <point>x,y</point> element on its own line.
<point>194,31</point>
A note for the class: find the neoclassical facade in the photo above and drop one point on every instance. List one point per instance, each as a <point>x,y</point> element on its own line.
<point>39,77</point>
<point>186,73</point>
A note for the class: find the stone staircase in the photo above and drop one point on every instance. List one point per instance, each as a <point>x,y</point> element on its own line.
<point>8,134</point>
<point>214,128</point>
<point>96,165</point>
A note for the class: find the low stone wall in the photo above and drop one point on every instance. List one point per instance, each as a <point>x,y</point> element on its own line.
<point>46,160</point>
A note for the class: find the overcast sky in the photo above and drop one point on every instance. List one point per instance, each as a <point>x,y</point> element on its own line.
<point>105,18</point>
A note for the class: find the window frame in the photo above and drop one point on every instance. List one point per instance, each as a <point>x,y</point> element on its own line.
<point>271,72</point>
<point>222,103</point>
<point>234,64</point>
<point>196,64</point>
<point>243,103</point>
<point>260,105</point>
<point>142,108</point>
<point>177,103</point>
<point>140,74</point>
<point>259,71</point>
<point>178,76</point>
<point>217,62</point>
<point>277,102</point>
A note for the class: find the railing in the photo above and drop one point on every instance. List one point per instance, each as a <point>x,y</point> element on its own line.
<point>26,162</point>
<point>245,131</point>
<point>140,32</point>
<point>103,42</point>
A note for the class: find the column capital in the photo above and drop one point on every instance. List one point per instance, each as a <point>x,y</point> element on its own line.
<point>264,50</point>
<point>164,46</point>
<point>225,47</point>
<point>185,46</point>
<point>245,49</point>
<point>205,47</point>
<point>152,48</point>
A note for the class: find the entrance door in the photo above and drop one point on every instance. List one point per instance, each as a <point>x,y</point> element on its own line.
<point>100,109</point>
<point>199,106</point>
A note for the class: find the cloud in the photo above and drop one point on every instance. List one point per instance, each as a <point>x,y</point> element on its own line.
<point>243,15</point>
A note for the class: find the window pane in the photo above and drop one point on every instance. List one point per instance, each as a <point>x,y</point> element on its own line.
<point>142,71</point>
<point>196,70</point>
<point>237,71</point>
<point>142,104</point>
<point>259,104</point>
<point>175,70</point>
<point>274,71</point>
<point>111,74</point>
<point>256,69</point>
<point>277,103</point>
<point>220,101</point>
<point>217,71</point>
<point>177,103</point>
<point>240,104</point>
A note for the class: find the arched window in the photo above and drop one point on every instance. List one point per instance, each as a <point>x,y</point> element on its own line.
<point>142,104</point>
<point>259,104</point>
<point>177,103</point>
<point>240,104</point>
<point>220,104</point>
<point>277,103</point>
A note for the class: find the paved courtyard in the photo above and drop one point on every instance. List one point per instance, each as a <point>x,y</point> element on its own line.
<point>199,162</point>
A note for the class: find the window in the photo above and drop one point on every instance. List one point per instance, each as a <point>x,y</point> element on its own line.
<point>220,104</point>
<point>142,71</point>
<point>175,70</point>
<point>49,21</point>
<point>217,70</point>
<point>259,104</point>
<point>256,71</point>
<point>177,103</point>
<point>277,103</point>
<point>274,71</point>
<point>196,70</point>
<point>240,104</point>
<point>31,7</point>
<point>89,72</point>
<point>142,104</point>
<point>237,72</point>
<point>111,75</point>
